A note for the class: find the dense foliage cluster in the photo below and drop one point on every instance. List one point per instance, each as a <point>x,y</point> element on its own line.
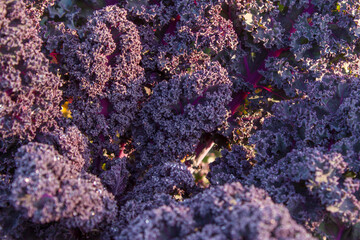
<point>188,119</point>
<point>30,94</point>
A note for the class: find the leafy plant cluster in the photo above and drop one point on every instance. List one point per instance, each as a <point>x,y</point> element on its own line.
<point>188,119</point>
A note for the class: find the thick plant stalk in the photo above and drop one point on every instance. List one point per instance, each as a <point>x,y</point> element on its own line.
<point>203,152</point>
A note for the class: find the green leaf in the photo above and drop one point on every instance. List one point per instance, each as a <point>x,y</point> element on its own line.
<point>303,40</point>
<point>207,51</point>
<point>281,7</point>
<point>350,174</point>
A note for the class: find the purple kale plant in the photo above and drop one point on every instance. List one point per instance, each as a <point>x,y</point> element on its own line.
<point>29,92</point>
<point>161,185</point>
<point>231,211</point>
<point>104,86</point>
<point>306,156</point>
<point>179,112</point>
<point>47,188</point>
<point>189,119</point>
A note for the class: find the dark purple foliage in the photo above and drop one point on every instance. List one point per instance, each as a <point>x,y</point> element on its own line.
<point>188,119</point>
<point>116,176</point>
<point>69,142</point>
<point>102,60</point>
<point>227,212</point>
<point>29,93</point>
<point>179,111</point>
<point>161,185</point>
<point>48,189</point>
<point>230,166</point>
<point>306,154</point>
